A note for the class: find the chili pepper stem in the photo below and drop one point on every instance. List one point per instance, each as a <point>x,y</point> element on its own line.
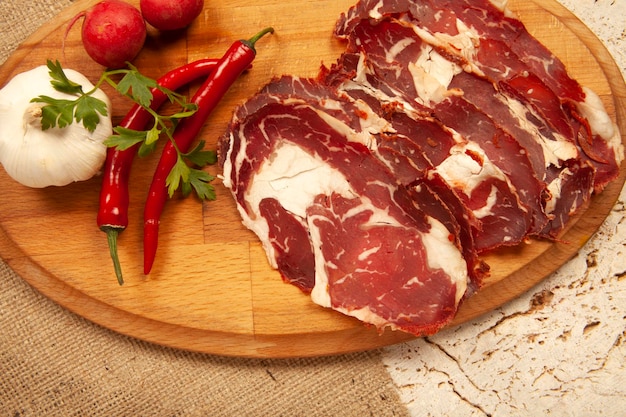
<point>112,239</point>
<point>250,42</point>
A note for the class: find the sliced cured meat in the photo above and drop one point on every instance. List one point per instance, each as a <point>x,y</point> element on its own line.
<point>571,189</point>
<point>397,141</point>
<point>392,55</point>
<point>396,61</point>
<point>548,131</point>
<point>507,47</point>
<point>566,113</point>
<point>377,255</point>
<point>444,131</point>
<point>380,272</point>
<point>437,199</point>
<point>419,144</point>
<point>504,152</point>
<point>288,239</point>
<point>488,40</point>
<point>476,32</point>
<point>554,158</point>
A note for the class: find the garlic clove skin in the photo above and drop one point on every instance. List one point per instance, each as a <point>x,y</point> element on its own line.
<point>54,157</point>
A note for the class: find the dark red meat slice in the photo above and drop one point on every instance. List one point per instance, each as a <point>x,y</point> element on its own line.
<point>520,198</point>
<point>401,151</point>
<point>289,238</point>
<point>352,233</point>
<point>502,50</point>
<point>507,154</point>
<point>493,25</point>
<point>509,48</point>
<point>482,94</point>
<point>572,188</point>
<point>382,274</point>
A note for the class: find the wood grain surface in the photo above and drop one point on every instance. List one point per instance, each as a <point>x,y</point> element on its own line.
<point>211,289</point>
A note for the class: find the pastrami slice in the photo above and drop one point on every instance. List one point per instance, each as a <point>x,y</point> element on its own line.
<point>377,255</point>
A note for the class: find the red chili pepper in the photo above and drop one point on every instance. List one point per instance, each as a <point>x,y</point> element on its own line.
<point>236,59</point>
<point>112,215</point>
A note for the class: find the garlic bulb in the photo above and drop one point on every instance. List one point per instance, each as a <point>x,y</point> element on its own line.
<point>56,156</point>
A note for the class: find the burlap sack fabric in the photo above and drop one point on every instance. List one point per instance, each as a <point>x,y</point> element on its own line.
<point>54,363</point>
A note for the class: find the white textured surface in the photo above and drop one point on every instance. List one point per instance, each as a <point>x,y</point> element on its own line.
<point>558,350</point>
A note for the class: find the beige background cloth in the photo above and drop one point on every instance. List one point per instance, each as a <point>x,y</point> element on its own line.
<point>54,363</point>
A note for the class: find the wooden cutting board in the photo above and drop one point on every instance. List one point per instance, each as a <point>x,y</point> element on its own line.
<point>211,289</point>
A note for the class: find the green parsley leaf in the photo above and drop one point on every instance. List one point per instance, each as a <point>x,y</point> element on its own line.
<point>200,157</point>
<point>56,112</point>
<point>88,109</point>
<point>199,180</point>
<point>125,138</point>
<point>62,112</point>
<point>60,82</point>
<point>191,179</point>
<point>179,172</point>
<point>145,149</point>
<point>152,135</point>
<point>139,85</point>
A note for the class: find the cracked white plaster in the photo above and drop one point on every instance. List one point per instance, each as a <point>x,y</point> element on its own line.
<point>560,349</point>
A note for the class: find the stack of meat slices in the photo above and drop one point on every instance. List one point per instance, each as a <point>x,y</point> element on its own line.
<point>444,131</point>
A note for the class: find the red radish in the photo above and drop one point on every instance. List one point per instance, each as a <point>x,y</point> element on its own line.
<point>113,32</point>
<point>170,14</point>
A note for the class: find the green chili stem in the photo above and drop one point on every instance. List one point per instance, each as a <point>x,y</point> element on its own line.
<point>112,240</point>
<point>250,42</point>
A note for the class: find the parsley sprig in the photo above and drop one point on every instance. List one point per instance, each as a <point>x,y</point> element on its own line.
<point>187,174</point>
<point>193,179</point>
<point>60,112</point>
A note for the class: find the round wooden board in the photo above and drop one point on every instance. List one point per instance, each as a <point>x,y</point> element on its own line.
<point>211,289</point>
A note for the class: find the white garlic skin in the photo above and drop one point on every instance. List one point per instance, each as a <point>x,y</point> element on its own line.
<point>54,157</point>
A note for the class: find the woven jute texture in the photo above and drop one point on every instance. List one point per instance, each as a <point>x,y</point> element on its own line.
<point>54,363</point>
